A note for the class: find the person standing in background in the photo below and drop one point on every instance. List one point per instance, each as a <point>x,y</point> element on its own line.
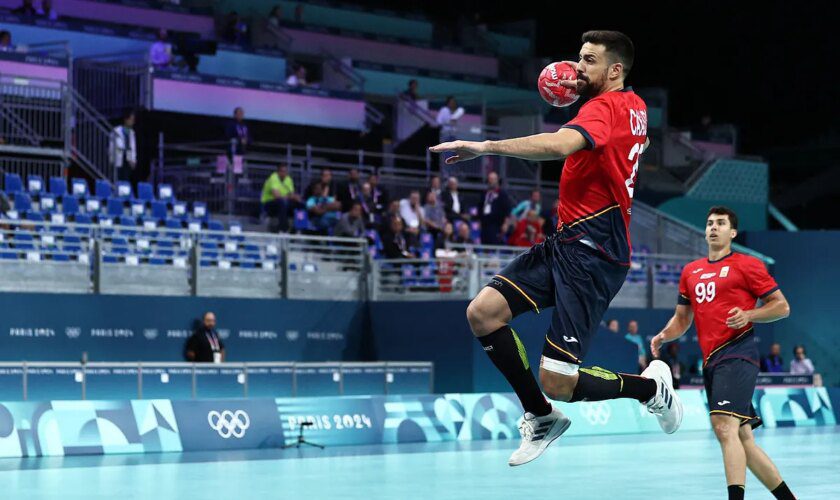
<point>521,210</point>
<point>773,363</point>
<point>634,338</point>
<point>494,212</point>
<point>237,132</point>
<point>205,345</point>
<point>122,148</point>
<point>613,326</point>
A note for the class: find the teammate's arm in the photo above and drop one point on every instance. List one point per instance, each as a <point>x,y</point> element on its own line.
<point>538,147</point>
<point>775,307</point>
<point>676,327</point>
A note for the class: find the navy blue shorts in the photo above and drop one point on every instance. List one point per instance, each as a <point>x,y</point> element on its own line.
<point>729,377</point>
<point>573,278</point>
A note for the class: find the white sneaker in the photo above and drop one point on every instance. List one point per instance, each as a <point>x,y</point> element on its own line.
<point>665,404</point>
<point>537,433</point>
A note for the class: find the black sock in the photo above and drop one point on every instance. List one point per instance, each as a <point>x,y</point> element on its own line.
<point>782,492</point>
<point>736,492</point>
<point>597,384</point>
<point>508,354</point>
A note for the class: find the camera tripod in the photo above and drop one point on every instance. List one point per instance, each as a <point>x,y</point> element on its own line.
<point>300,439</point>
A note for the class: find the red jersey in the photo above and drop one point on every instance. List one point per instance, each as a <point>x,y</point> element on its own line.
<point>596,186</point>
<point>713,288</point>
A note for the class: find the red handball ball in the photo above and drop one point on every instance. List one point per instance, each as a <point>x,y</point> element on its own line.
<point>549,84</point>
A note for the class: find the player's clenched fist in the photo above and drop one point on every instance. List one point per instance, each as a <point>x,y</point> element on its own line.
<point>464,150</point>
<point>738,318</point>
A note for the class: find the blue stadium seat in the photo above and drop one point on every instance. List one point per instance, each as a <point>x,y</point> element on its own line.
<point>69,205</point>
<point>157,261</point>
<point>247,264</point>
<point>145,191</point>
<point>23,202</point>
<point>72,244</point>
<point>79,187</point>
<point>165,192</point>
<point>119,245</point>
<point>61,257</point>
<point>12,184</point>
<point>165,248</point>
<point>159,210</point>
<point>82,219</point>
<point>179,209</point>
<point>34,216</point>
<point>137,208</point>
<point>23,241</point>
<point>103,189</point>
<point>174,224</point>
<point>127,222</point>
<point>93,206</point>
<point>58,186</point>
<point>48,203</point>
<point>123,190</point>
<point>115,207</point>
<point>215,225</point>
<point>151,223</point>
<point>199,210</point>
<point>34,184</point>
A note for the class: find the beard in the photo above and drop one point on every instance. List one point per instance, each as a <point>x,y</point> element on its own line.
<point>590,88</point>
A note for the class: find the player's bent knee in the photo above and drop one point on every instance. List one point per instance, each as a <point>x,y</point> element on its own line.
<point>556,386</point>
<point>485,315</point>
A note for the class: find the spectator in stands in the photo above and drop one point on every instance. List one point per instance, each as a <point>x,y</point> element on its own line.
<point>26,9</point>
<point>412,215</point>
<point>234,29</point>
<point>446,238</point>
<point>205,345</point>
<point>634,338</point>
<point>279,199</point>
<point>452,202</point>
<point>275,17</point>
<point>350,191</point>
<point>351,224</point>
<point>366,201</point>
<point>447,119</point>
<point>298,77</point>
<point>160,53</point>
<point>613,326</point>
<point>773,362</point>
<point>238,133</point>
<point>323,210</point>
<point>378,194</point>
<point>528,231</point>
<point>551,219</point>
<point>434,217</point>
<point>411,91</point>
<point>434,187</point>
<point>494,212</point>
<point>122,148</point>
<point>327,183</point>
<point>394,243</point>
<point>393,210</point>
<point>6,42</point>
<point>801,365</point>
<point>464,237</point>
<point>47,10</point>
<point>521,210</point>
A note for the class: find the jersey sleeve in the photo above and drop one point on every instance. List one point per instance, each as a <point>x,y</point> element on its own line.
<point>759,281</point>
<point>683,298</point>
<point>594,122</point>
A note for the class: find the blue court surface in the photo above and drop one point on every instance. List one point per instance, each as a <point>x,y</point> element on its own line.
<point>685,466</point>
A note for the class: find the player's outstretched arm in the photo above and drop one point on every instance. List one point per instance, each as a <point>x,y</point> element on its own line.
<point>775,307</point>
<point>676,328</point>
<point>539,147</point>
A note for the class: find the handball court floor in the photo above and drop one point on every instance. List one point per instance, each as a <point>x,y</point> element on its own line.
<point>686,466</point>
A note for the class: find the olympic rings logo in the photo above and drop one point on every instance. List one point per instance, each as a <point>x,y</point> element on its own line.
<point>596,412</point>
<point>229,423</point>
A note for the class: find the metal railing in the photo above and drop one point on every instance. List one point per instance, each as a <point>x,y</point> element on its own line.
<point>114,82</point>
<point>113,258</point>
<point>261,378</point>
<point>24,167</point>
<point>92,138</point>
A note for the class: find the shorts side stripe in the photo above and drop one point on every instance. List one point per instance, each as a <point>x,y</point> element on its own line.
<point>567,353</point>
<point>739,337</point>
<point>732,414</point>
<point>586,218</point>
<point>529,299</point>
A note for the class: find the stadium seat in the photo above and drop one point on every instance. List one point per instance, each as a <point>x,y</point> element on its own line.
<point>23,241</point>
<point>127,222</point>
<point>103,189</point>
<point>82,219</point>
<point>78,187</point>
<point>34,216</point>
<point>23,202</point>
<point>115,207</point>
<point>34,184</point>
<point>93,206</point>
<point>123,190</point>
<point>69,205</point>
<point>215,225</point>
<point>151,223</point>
<point>145,192</point>
<point>199,210</point>
<point>72,244</point>
<point>157,261</point>
<point>165,248</point>
<point>12,184</point>
<point>61,257</point>
<point>165,192</point>
<point>58,186</point>
<point>159,210</point>
<point>137,208</point>
<point>179,209</point>
<point>174,224</point>
<point>48,203</point>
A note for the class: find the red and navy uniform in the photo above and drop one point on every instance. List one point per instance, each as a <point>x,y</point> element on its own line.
<point>583,266</point>
<point>730,356</point>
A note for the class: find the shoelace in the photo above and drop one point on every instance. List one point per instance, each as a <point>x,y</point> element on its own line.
<point>526,431</point>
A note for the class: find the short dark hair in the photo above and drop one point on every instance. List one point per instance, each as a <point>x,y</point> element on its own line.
<point>722,210</point>
<point>798,347</point>
<point>616,43</point>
